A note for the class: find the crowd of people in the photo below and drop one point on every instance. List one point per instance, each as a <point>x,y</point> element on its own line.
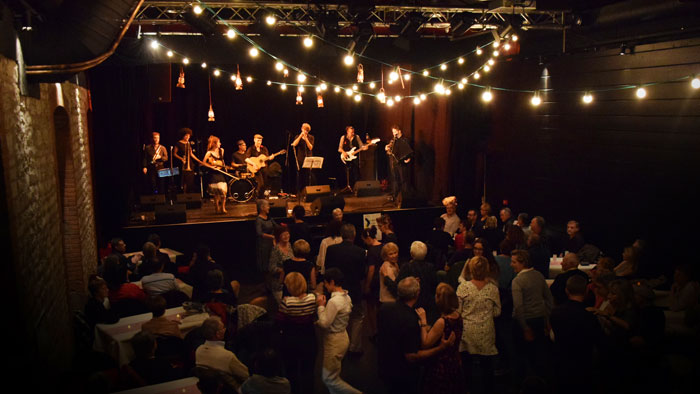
<point>472,310</point>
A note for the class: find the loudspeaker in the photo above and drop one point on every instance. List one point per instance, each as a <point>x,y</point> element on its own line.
<point>368,188</point>
<point>323,206</point>
<point>311,193</point>
<point>149,201</point>
<point>167,214</point>
<point>191,200</point>
<point>278,208</point>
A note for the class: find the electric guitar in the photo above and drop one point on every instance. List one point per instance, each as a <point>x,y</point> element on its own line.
<point>351,154</point>
<point>258,162</point>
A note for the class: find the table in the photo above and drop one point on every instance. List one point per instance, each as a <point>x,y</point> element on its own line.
<point>555,267</point>
<point>172,254</point>
<point>181,386</point>
<point>114,339</point>
<point>182,286</point>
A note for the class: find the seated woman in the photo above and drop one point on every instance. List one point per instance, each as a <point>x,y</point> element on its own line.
<point>116,282</point>
<point>685,289</point>
<point>217,293</point>
<point>98,309</point>
<point>628,267</point>
<point>200,267</point>
<point>295,318</point>
<point>146,369</point>
<point>159,324</point>
<point>300,263</point>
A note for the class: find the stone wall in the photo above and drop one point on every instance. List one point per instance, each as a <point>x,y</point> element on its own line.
<point>45,280</point>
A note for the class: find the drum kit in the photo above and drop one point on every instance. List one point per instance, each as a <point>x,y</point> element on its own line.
<point>242,189</point>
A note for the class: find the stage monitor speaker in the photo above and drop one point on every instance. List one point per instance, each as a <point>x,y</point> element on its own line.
<point>148,202</point>
<point>168,214</point>
<point>368,188</point>
<point>311,193</point>
<point>278,208</point>
<point>191,200</point>
<point>413,200</point>
<point>323,206</point>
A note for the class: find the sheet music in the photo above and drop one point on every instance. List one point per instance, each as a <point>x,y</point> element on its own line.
<point>313,162</point>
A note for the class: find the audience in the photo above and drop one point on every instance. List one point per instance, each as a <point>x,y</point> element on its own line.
<point>300,263</point>
<point>159,324</point>
<point>684,290</point>
<point>115,276</point>
<point>217,292</point>
<point>199,268</point>
<point>337,215</point>
<point>212,354</point>
<point>417,267</point>
<point>281,252</point>
<point>480,304</point>
<point>576,336</point>
<point>158,282</point>
<point>450,216</point>
<point>295,318</point>
<point>370,289</point>
<point>574,242</point>
<point>333,238</point>
<point>98,309</point>
<point>399,339</point>
<point>538,252</point>
<point>388,273</point>
<point>439,242</point>
<point>507,219</point>
<point>628,267</point>
<point>160,256</point>
<point>472,219</point>
<point>524,223</point>
<point>147,369</point>
<point>569,267</point>
<point>387,229</point>
<point>299,229</point>
<point>333,318</point>
<point>443,372</point>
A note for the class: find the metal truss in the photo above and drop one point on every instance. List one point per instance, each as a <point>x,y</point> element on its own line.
<point>307,16</point>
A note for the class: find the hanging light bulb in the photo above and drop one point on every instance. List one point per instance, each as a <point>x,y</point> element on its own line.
<point>443,67</point>
<point>425,73</point>
<point>270,19</point>
<point>301,89</point>
<point>249,79</point>
<point>348,92</point>
<point>397,98</point>
<point>372,85</point>
<point>641,93</point>
<point>479,51</point>
<point>279,66</point>
<point>324,87</point>
<point>230,33</point>
<point>254,52</point>
<point>390,103</point>
<point>393,75</point>
<point>285,73</point>
<point>460,86</point>
<point>496,44</point>
<point>381,96</point>
<point>239,81</point>
<point>477,75</point>
<point>358,98</point>
<point>181,79</point>
<point>448,91</point>
<point>154,44</point>
<point>217,73</point>
<point>348,59</point>
<point>514,38</point>
<point>204,65</point>
<point>170,53</point>
<point>319,101</point>
<point>301,77</point>
<point>354,88</point>
<point>487,68</point>
<point>336,89</point>
<point>318,89</point>
<point>536,100</point>
<point>464,80</point>
<point>360,73</point>
<point>197,9</point>
<point>269,83</point>
<point>423,97</point>
<point>506,47</point>
<point>460,60</point>
<point>587,98</point>
<point>283,86</point>
<point>407,77</point>
<point>496,53</point>
<point>487,96</point>
<point>695,83</point>
<point>416,101</point>
<point>185,61</point>
<point>491,62</point>
<point>439,88</point>
<point>299,99</point>
<point>308,42</point>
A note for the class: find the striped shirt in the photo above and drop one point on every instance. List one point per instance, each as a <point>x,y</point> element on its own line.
<point>298,310</point>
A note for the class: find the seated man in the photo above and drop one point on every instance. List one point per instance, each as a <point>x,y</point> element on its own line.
<point>569,267</point>
<point>160,325</point>
<point>212,354</point>
<point>97,308</point>
<point>574,242</point>
<point>158,282</point>
<point>146,368</point>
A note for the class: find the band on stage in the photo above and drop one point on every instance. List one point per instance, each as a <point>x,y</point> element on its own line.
<point>251,171</point>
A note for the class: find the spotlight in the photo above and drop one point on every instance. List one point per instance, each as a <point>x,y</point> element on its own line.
<point>535,100</point>
<point>270,20</point>
<point>230,33</point>
<point>197,9</point>
<point>154,44</point>
<point>308,42</point>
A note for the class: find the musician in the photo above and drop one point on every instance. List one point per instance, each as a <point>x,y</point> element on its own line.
<point>254,151</point>
<point>238,158</point>
<point>400,154</point>
<point>184,153</point>
<point>155,156</point>
<point>352,168</point>
<point>303,146</point>
<point>217,181</point>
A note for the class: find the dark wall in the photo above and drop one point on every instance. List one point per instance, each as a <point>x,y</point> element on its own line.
<point>625,168</point>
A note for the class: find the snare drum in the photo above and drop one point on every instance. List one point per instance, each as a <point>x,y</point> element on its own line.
<point>241,190</point>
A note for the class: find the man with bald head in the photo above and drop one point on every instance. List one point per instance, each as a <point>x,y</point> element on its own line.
<point>569,266</point>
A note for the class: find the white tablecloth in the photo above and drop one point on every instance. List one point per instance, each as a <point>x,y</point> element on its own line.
<point>170,252</point>
<point>555,267</point>
<point>181,386</point>
<point>114,339</point>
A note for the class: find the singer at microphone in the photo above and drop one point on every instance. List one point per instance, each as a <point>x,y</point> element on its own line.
<point>186,159</point>
<point>400,153</point>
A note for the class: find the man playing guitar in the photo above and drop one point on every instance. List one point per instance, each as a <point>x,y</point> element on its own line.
<point>350,144</point>
<point>256,158</point>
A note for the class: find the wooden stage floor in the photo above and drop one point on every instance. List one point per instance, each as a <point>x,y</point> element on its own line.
<point>247,211</point>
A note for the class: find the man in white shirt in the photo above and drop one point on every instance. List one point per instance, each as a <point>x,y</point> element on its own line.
<point>333,317</point>
<point>212,354</point>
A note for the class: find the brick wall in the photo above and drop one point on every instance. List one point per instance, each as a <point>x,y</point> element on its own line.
<point>44,280</point>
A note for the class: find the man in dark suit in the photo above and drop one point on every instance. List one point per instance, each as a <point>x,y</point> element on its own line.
<point>350,259</point>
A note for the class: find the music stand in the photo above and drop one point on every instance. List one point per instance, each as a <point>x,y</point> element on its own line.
<point>313,163</point>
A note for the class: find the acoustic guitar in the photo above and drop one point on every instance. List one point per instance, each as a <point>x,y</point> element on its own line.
<point>258,162</point>
<point>351,154</point>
